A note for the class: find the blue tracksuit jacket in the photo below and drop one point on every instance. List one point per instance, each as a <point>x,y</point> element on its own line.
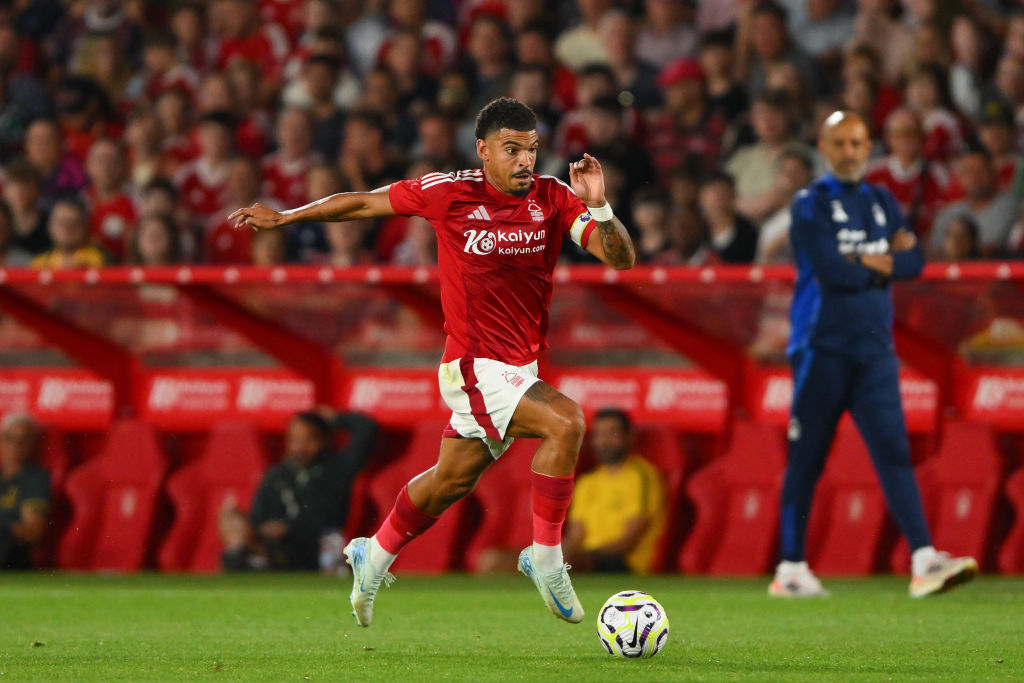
<point>839,305</point>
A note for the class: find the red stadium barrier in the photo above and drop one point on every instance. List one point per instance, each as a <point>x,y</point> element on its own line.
<point>688,350</point>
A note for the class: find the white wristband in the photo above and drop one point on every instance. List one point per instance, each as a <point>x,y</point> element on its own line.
<point>601,213</point>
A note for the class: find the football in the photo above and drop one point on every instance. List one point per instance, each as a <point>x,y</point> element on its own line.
<point>632,624</point>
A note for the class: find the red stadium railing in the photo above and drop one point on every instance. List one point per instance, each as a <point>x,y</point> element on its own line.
<point>689,352</point>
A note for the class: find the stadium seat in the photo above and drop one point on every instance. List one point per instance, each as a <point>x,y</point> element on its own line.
<point>227,472</point>
<point>1011,556</point>
<point>503,494</point>
<point>661,446</point>
<point>736,499</point>
<point>441,547</point>
<point>848,517</point>
<point>960,488</point>
<point>114,497</point>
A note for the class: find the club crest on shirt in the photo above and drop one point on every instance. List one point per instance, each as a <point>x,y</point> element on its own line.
<point>839,214</point>
<point>536,213</point>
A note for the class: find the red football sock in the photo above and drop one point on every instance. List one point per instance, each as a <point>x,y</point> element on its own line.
<point>551,498</point>
<point>405,523</point>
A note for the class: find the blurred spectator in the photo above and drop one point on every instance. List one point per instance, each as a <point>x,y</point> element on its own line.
<point>534,47</point>
<point>961,240</point>
<point>307,242</point>
<point>864,61</point>
<point>417,89</point>
<point>201,183</point>
<point>993,211</point>
<point>592,82</point>
<point>637,79</point>
<point>173,117</point>
<point>919,184</point>
<point>252,130</point>
<point>488,58</point>
<point>926,96</point>
<point>436,141</point>
<point>24,491</point>
<point>302,500</point>
<point>523,13</point>
<point>156,242</point>
<point>60,172</point>
<point>732,238</point>
<point>725,95</point>
<point>284,171</point>
<point>617,513</point>
<point>667,33</point>
<point>346,242</point>
<point>419,247</point>
<point>96,17</point>
<point>319,75</point>
<point>651,221</point>
<point>84,113</point>
<point>1008,84</point>
<point>112,212</point>
<point>22,188</point>
<point>995,128</point>
<point>796,171</point>
<point>188,24</point>
<point>10,253</point>
<point>786,77</point>
<point>326,43</point>
<point>145,160</point>
<point>22,99</point>
<point>381,99</point>
<point>753,166</point>
<point>602,120</point>
<point>269,248</point>
<point>290,15</point>
<point>860,95</point>
<point>581,44</point>
<point>967,72</point>
<point>762,39</point>
<point>239,34</point>
<point>364,160</point>
<point>819,27</point>
<point>73,247</point>
<point>222,241</point>
<point>877,26</point>
<point>163,69</point>
<point>438,44</point>
<point>929,48</point>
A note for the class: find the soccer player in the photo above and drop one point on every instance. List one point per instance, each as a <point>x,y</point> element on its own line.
<point>850,240</point>
<point>499,232</point>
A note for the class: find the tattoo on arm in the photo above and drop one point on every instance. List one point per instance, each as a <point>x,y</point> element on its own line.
<point>618,247</point>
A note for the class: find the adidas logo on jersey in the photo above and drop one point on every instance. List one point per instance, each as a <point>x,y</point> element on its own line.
<point>480,214</point>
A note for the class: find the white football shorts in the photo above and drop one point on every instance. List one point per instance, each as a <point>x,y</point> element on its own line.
<point>483,395</point>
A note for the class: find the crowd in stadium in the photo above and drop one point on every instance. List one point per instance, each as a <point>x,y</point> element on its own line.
<point>130,129</point>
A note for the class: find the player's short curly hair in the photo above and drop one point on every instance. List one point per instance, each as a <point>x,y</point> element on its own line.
<point>504,112</point>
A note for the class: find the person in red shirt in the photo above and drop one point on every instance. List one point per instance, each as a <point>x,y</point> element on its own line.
<point>112,212</point>
<point>284,171</point>
<point>921,186</point>
<point>201,183</point>
<point>499,231</point>
<point>242,36</point>
<point>221,242</point>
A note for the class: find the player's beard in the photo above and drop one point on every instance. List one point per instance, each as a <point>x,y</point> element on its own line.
<point>517,191</point>
<point>850,173</point>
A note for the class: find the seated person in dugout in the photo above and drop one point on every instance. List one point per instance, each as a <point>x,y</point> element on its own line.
<point>24,491</point>
<point>618,508</point>
<point>300,507</point>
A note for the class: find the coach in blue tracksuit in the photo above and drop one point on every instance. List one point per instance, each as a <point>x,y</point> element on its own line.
<point>850,241</point>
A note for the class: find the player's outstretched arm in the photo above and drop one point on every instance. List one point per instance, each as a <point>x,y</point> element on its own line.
<point>345,206</point>
<point>613,245</point>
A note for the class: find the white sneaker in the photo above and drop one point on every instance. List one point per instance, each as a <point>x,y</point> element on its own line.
<point>365,579</point>
<point>943,573</point>
<point>554,587</point>
<point>795,580</point>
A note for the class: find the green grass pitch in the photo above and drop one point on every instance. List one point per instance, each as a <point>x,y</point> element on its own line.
<point>296,628</point>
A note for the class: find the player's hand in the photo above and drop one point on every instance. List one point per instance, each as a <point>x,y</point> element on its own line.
<point>587,180</point>
<point>257,217</point>
<point>903,240</point>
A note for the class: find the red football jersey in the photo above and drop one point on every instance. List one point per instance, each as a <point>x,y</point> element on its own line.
<point>285,181</point>
<point>111,221</point>
<point>224,243</point>
<point>907,186</point>
<point>201,189</point>
<point>496,254</point>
